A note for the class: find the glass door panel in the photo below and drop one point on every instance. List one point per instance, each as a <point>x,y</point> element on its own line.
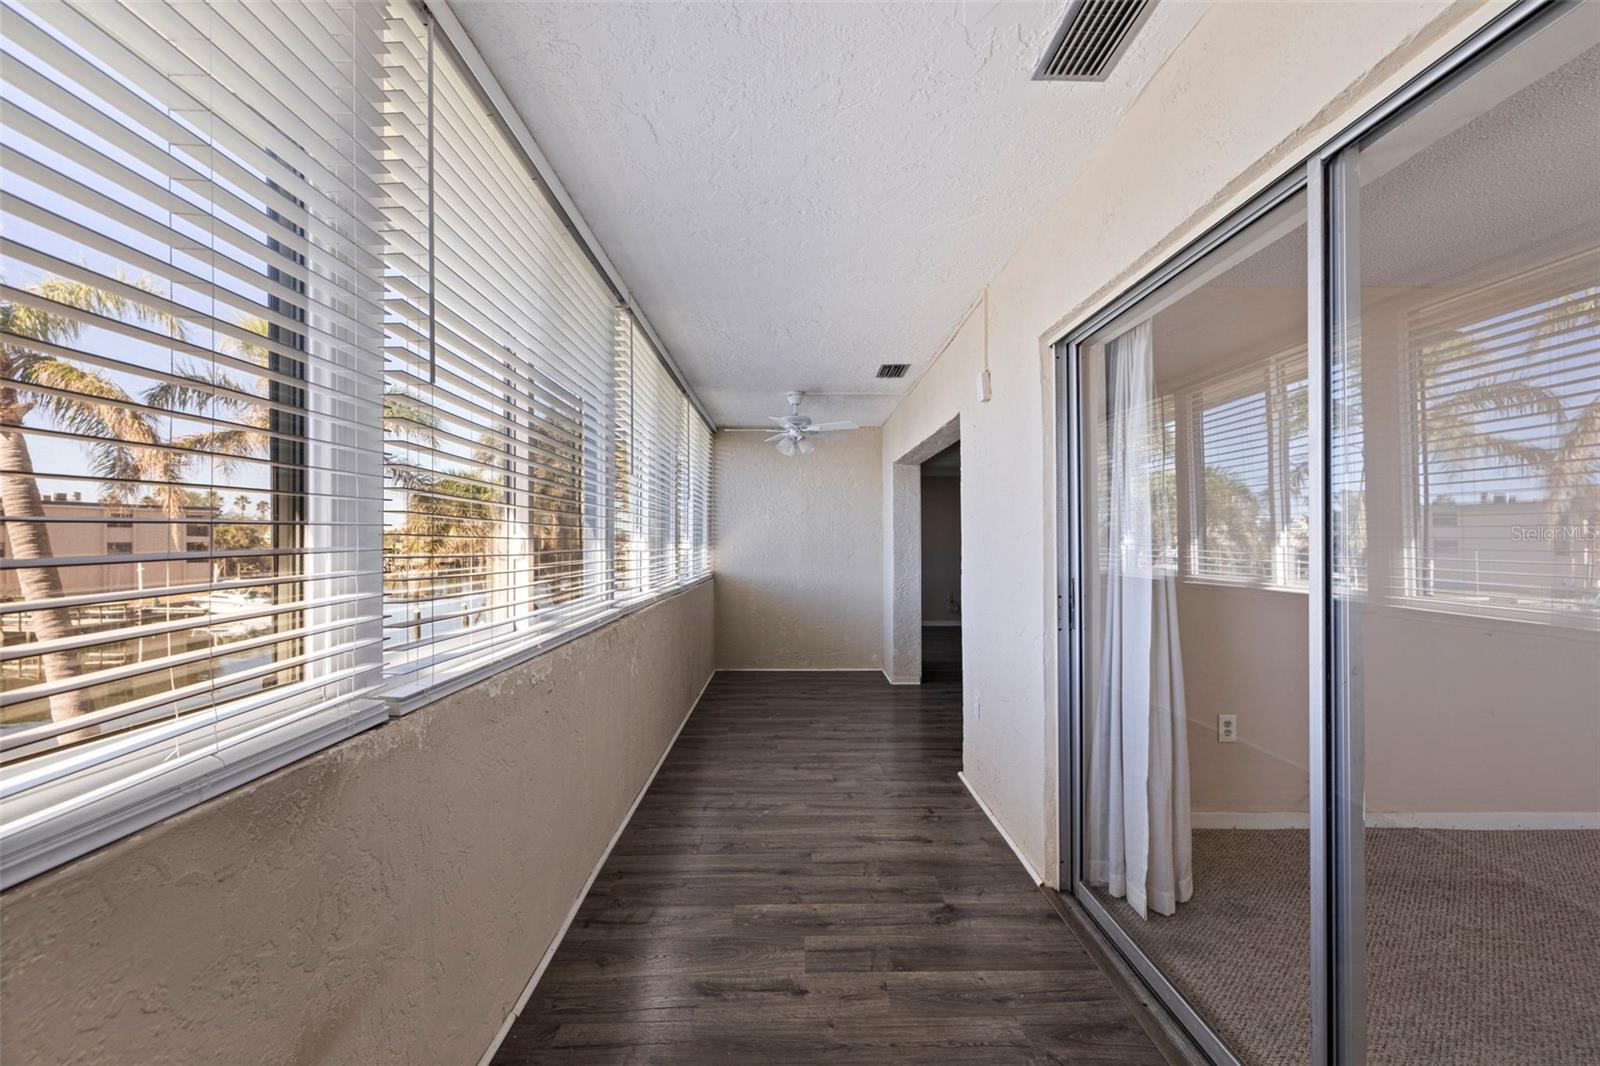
<point>1465,480</point>
<point>1194,531</point>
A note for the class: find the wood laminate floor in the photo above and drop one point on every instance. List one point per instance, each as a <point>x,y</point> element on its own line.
<point>807,882</point>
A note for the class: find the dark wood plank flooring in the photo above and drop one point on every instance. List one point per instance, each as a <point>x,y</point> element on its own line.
<point>807,882</point>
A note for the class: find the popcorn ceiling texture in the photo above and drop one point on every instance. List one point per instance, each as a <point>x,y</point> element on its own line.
<point>798,192</point>
<point>798,545</point>
<point>383,901</point>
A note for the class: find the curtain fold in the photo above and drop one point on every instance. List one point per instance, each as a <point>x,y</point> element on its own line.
<point>1138,805</point>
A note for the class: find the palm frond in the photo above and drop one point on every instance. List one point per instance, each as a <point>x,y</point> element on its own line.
<point>243,349</point>
<point>1463,427</point>
<point>1572,479</point>
<point>114,417</point>
<point>225,445</point>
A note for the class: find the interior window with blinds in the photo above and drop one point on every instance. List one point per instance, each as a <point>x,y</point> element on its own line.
<point>1249,463</point>
<point>1503,381</point>
<point>1158,459</point>
<point>497,503</point>
<point>663,473</point>
<point>189,319</point>
<point>694,504</point>
<point>1209,373</point>
<point>311,402</point>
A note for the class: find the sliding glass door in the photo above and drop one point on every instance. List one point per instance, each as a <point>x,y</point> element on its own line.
<point>1194,534</point>
<point>1465,470</point>
<point>1331,558</point>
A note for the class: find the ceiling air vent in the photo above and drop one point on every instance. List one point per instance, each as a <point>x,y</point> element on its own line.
<point>1091,39</point>
<point>893,370</point>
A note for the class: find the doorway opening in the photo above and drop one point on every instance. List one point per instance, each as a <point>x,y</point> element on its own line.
<point>902,607</point>
<point>941,567</point>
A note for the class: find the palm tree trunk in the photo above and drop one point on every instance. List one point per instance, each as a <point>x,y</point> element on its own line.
<point>19,498</point>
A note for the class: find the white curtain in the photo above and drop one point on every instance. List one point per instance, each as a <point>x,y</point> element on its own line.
<point>1138,804</point>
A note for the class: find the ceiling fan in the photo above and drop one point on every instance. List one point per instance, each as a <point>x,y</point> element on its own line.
<point>797,433</point>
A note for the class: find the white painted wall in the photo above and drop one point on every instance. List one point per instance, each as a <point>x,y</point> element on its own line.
<point>1253,88</point>
<point>797,544</point>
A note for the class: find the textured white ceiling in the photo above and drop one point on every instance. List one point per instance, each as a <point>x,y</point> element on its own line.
<point>797,192</point>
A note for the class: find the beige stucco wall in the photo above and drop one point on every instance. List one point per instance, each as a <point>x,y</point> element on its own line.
<point>383,901</point>
<point>1251,90</point>
<point>798,545</point>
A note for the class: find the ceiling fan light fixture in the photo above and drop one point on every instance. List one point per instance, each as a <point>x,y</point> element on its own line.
<point>795,431</point>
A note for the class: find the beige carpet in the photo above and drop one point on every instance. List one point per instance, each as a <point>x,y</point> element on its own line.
<point>1483,947</point>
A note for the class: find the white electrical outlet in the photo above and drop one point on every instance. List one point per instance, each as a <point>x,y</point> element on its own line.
<point>1227,729</point>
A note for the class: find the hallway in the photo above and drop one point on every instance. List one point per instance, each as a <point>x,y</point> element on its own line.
<point>808,881</point>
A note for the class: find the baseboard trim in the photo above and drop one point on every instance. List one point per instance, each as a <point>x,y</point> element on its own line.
<point>1249,820</point>
<point>893,681</point>
<point>572,912</point>
<point>1480,820</point>
<point>961,775</point>
<point>1483,820</point>
<point>799,670</point>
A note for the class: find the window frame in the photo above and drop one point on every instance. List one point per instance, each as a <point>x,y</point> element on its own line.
<point>1275,388</point>
<point>1414,585</point>
<point>261,732</point>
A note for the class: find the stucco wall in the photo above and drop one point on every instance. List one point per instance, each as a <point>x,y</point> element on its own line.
<point>383,901</point>
<point>798,545</point>
<point>1253,88</point>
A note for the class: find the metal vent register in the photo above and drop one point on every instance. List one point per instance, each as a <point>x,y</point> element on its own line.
<point>1091,39</point>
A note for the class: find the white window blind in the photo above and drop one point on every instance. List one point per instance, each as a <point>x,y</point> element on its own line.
<point>656,476</point>
<point>311,403</point>
<point>1347,480</point>
<point>498,501</point>
<point>1248,452</point>
<point>189,590</point>
<point>1161,456</point>
<point>1504,381</point>
<point>695,504</point>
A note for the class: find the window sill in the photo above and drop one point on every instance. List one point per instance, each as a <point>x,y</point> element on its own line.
<point>403,701</point>
<point>1242,586</point>
<point>34,843</point>
<point>57,834</point>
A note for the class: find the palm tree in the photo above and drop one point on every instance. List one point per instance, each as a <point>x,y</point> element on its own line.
<point>1236,533</point>
<point>128,449</point>
<point>1465,428</point>
<point>448,515</point>
<point>1572,475</point>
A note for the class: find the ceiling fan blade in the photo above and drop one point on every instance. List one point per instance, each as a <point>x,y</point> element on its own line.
<point>824,427</point>
<point>775,436</point>
<point>826,436</point>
